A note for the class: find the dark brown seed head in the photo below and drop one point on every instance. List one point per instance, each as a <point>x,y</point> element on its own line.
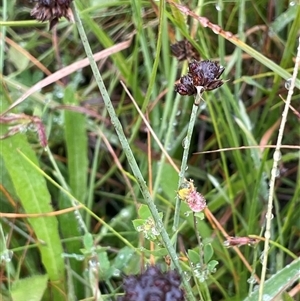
<point>203,74</point>
<point>186,86</point>
<point>183,50</point>
<point>194,67</point>
<point>211,70</point>
<point>52,11</point>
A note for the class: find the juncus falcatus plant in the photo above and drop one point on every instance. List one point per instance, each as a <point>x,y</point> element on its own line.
<point>115,186</point>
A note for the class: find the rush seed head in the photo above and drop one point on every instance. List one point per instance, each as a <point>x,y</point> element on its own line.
<point>52,11</point>
<point>203,74</point>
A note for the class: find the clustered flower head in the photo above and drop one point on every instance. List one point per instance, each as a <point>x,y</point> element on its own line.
<point>52,11</point>
<point>204,74</point>
<point>153,285</point>
<point>189,194</point>
<point>183,50</point>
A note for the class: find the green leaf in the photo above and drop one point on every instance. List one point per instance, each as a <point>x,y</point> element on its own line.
<point>70,229</point>
<point>34,196</point>
<point>211,266</point>
<point>123,257</point>
<point>279,282</point>
<point>120,262</point>
<point>137,223</point>
<point>76,141</point>
<point>144,212</point>
<point>169,181</point>
<point>33,288</point>
<point>193,256</point>
<point>208,253</point>
<point>104,265</point>
<point>200,215</point>
<point>282,20</point>
<point>88,241</point>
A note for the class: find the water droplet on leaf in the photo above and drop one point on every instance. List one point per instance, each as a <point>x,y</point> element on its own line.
<point>185,143</point>
<point>219,6</point>
<point>287,84</point>
<point>6,256</point>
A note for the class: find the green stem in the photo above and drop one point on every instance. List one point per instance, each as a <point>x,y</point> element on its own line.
<point>241,32</point>
<point>277,157</point>
<point>131,160</point>
<point>186,147</point>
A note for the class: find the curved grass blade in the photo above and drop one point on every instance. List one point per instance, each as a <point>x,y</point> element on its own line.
<point>279,282</point>
<point>34,196</point>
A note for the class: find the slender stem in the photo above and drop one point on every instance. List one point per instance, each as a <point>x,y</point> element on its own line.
<point>92,179</point>
<point>277,157</point>
<point>201,255</point>
<point>221,41</point>
<point>186,147</point>
<point>3,35</point>
<point>241,33</point>
<point>131,160</point>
